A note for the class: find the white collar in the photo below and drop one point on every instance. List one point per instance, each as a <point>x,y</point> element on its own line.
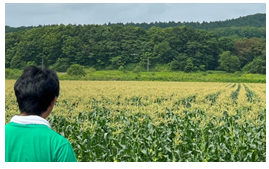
<point>31,119</point>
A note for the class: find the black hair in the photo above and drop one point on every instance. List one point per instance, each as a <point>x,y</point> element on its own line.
<point>35,89</point>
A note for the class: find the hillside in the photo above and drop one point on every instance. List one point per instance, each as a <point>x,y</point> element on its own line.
<point>126,47</point>
<point>256,20</point>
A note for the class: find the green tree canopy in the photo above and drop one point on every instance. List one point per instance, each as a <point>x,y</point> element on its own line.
<point>76,70</point>
<point>106,47</point>
<point>229,62</point>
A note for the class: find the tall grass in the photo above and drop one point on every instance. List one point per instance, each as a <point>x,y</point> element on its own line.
<point>169,76</point>
<point>114,75</point>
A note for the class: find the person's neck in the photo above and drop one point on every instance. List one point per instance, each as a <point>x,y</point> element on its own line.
<point>25,114</point>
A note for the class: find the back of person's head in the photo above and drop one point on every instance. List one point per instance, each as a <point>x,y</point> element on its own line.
<point>35,89</point>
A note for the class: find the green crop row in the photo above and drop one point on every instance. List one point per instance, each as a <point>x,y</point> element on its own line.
<point>251,96</point>
<point>235,93</point>
<point>137,137</point>
<point>158,121</point>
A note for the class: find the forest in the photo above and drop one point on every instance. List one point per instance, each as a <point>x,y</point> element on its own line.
<point>231,45</point>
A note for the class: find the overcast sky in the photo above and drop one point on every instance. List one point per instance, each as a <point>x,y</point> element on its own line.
<point>30,14</point>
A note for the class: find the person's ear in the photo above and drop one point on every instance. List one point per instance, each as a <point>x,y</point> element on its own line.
<point>49,109</point>
<point>53,101</point>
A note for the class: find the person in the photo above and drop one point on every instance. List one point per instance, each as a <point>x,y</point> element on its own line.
<point>28,136</point>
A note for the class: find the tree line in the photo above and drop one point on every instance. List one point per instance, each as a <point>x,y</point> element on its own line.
<point>180,48</point>
<point>256,21</point>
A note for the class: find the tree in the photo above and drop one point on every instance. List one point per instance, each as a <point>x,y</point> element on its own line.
<point>258,65</point>
<point>76,70</point>
<point>248,49</point>
<point>71,47</point>
<point>162,52</point>
<point>61,65</point>
<point>9,54</point>
<point>179,62</point>
<point>109,47</point>
<point>117,61</point>
<point>229,62</point>
<point>17,62</point>
<point>225,43</point>
<point>138,68</point>
<point>31,63</point>
<point>189,66</point>
<point>174,65</point>
<point>121,68</point>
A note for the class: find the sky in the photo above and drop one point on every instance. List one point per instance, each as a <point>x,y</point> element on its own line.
<point>34,14</point>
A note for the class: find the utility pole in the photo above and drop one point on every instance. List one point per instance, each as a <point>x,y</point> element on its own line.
<point>148,65</point>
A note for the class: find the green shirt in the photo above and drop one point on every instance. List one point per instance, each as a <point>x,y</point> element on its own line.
<point>36,143</point>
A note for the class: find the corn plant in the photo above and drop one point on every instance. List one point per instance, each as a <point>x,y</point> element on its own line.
<point>158,122</point>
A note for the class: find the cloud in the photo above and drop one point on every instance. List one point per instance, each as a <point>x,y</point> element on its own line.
<point>26,14</point>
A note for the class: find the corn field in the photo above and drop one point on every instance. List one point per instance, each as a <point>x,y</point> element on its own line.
<point>158,121</point>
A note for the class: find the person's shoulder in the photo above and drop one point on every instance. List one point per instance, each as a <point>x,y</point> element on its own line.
<point>10,125</point>
<point>58,137</point>
<point>7,127</point>
<point>63,149</point>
